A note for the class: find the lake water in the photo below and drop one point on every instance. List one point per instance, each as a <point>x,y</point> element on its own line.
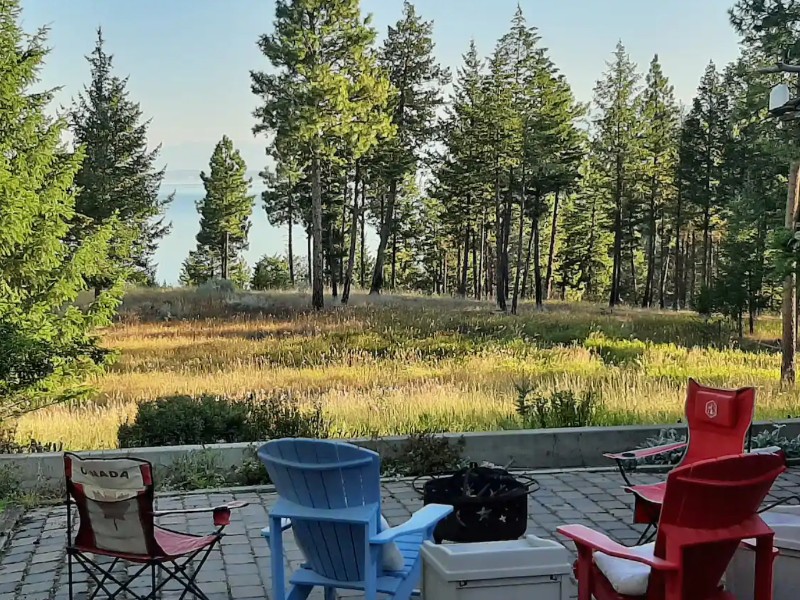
<point>174,248</point>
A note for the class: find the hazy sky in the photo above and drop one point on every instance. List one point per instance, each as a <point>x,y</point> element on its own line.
<point>189,60</point>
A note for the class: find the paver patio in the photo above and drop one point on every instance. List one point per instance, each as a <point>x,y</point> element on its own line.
<point>33,564</point>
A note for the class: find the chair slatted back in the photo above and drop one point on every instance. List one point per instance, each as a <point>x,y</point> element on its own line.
<point>709,506</point>
<point>327,475</point>
<point>115,500</point>
<point>718,421</point>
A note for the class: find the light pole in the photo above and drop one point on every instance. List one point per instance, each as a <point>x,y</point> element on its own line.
<point>787,108</point>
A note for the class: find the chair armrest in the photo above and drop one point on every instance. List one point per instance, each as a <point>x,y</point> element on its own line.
<point>645,452</point>
<point>285,524</point>
<point>588,538</point>
<point>229,506</point>
<point>422,520</point>
<point>767,450</point>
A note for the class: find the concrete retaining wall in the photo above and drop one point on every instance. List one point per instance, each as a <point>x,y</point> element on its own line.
<point>578,447</point>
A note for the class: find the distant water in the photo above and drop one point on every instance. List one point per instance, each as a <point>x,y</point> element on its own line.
<point>173,249</point>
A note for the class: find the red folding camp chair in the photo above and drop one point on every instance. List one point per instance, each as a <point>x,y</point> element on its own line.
<point>115,502</point>
<point>718,423</point>
<point>709,509</point>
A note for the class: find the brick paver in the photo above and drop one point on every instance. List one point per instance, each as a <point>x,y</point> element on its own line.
<point>33,565</point>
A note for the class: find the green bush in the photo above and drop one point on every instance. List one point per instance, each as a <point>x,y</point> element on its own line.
<point>613,351</point>
<point>197,470</point>
<point>181,420</point>
<point>560,409</point>
<point>271,273</point>
<point>425,454</point>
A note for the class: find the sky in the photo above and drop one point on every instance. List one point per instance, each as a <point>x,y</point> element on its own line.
<point>188,63</point>
<point>189,60</point>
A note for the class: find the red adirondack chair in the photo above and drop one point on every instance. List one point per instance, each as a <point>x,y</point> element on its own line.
<point>710,507</point>
<point>718,422</point>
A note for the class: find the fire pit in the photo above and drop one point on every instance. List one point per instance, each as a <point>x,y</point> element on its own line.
<point>490,504</point>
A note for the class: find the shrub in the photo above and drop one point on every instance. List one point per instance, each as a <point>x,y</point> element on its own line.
<point>196,470</point>
<point>180,420</point>
<point>560,409</point>
<point>425,454</point>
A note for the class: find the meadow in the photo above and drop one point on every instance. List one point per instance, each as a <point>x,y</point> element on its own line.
<point>403,363</point>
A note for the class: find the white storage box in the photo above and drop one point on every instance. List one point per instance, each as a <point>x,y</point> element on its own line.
<point>785,522</point>
<point>526,569</point>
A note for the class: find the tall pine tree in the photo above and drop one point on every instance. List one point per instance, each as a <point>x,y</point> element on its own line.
<point>118,175</point>
<point>225,212</point>
<point>321,95</point>
<point>48,345</point>
<point>407,57</point>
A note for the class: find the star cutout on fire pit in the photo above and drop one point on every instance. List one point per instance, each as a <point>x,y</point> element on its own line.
<point>484,513</point>
<point>502,518</point>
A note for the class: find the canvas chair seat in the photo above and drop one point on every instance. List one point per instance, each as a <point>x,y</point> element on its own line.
<point>172,543</point>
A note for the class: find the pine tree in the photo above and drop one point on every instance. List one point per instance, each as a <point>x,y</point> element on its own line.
<point>407,57</point>
<point>615,151</point>
<point>283,201</point>
<point>48,345</point>
<point>118,174</point>
<point>659,151</point>
<point>323,94</point>
<point>225,212</point>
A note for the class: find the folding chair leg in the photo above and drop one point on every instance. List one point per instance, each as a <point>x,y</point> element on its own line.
<point>153,581</point>
<point>646,536</point>
<point>69,575</point>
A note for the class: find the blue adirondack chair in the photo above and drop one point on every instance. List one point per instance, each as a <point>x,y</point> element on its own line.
<point>329,494</point>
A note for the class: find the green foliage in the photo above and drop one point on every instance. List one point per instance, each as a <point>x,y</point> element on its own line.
<point>117,179</point>
<point>562,408</point>
<point>48,343</point>
<point>196,470</point>
<point>704,302</point>
<point>182,420</point>
<point>271,273</point>
<point>225,212</point>
<point>424,453</point>
<point>615,352</point>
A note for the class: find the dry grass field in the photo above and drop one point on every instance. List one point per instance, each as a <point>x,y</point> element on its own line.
<point>399,364</point>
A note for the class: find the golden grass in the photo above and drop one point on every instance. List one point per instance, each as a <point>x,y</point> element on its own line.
<point>395,364</point>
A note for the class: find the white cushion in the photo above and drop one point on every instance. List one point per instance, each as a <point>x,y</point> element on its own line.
<point>391,559</point>
<point>627,577</point>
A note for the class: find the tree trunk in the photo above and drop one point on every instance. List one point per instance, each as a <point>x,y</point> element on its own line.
<point>507,235</point>
<point>317,299</point>
<point>537,266</point>
<point>789,308</point>
<point>647,298</point>
<point>692,268</point>
<point>309,256</point>
<point>475,272</point>
<point>387,225</point>
<point>351,259</point>
<point>291,248</point>
<point>677,300</point>
<point>225,255</point>
<point>632,256</point>
<point>332,259</point>
<point>617,253</point>
<point>462,284</point>
<point>363,271</point>
<point>394,260</point>
<point>548,280</point>
<point>479,290</point>
<point>520,237</point>
<point>340,250</point>
<point>500,286</point>
<point>527,268</point>
<point>662,282</point>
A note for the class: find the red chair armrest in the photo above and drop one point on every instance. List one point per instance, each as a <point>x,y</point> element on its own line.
<point>222,513</point>
<point>645,452</point>
<point>588,538</point>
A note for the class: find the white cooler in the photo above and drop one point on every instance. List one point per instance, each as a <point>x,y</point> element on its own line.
<point>785,522</point>
<point>527,569</point>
